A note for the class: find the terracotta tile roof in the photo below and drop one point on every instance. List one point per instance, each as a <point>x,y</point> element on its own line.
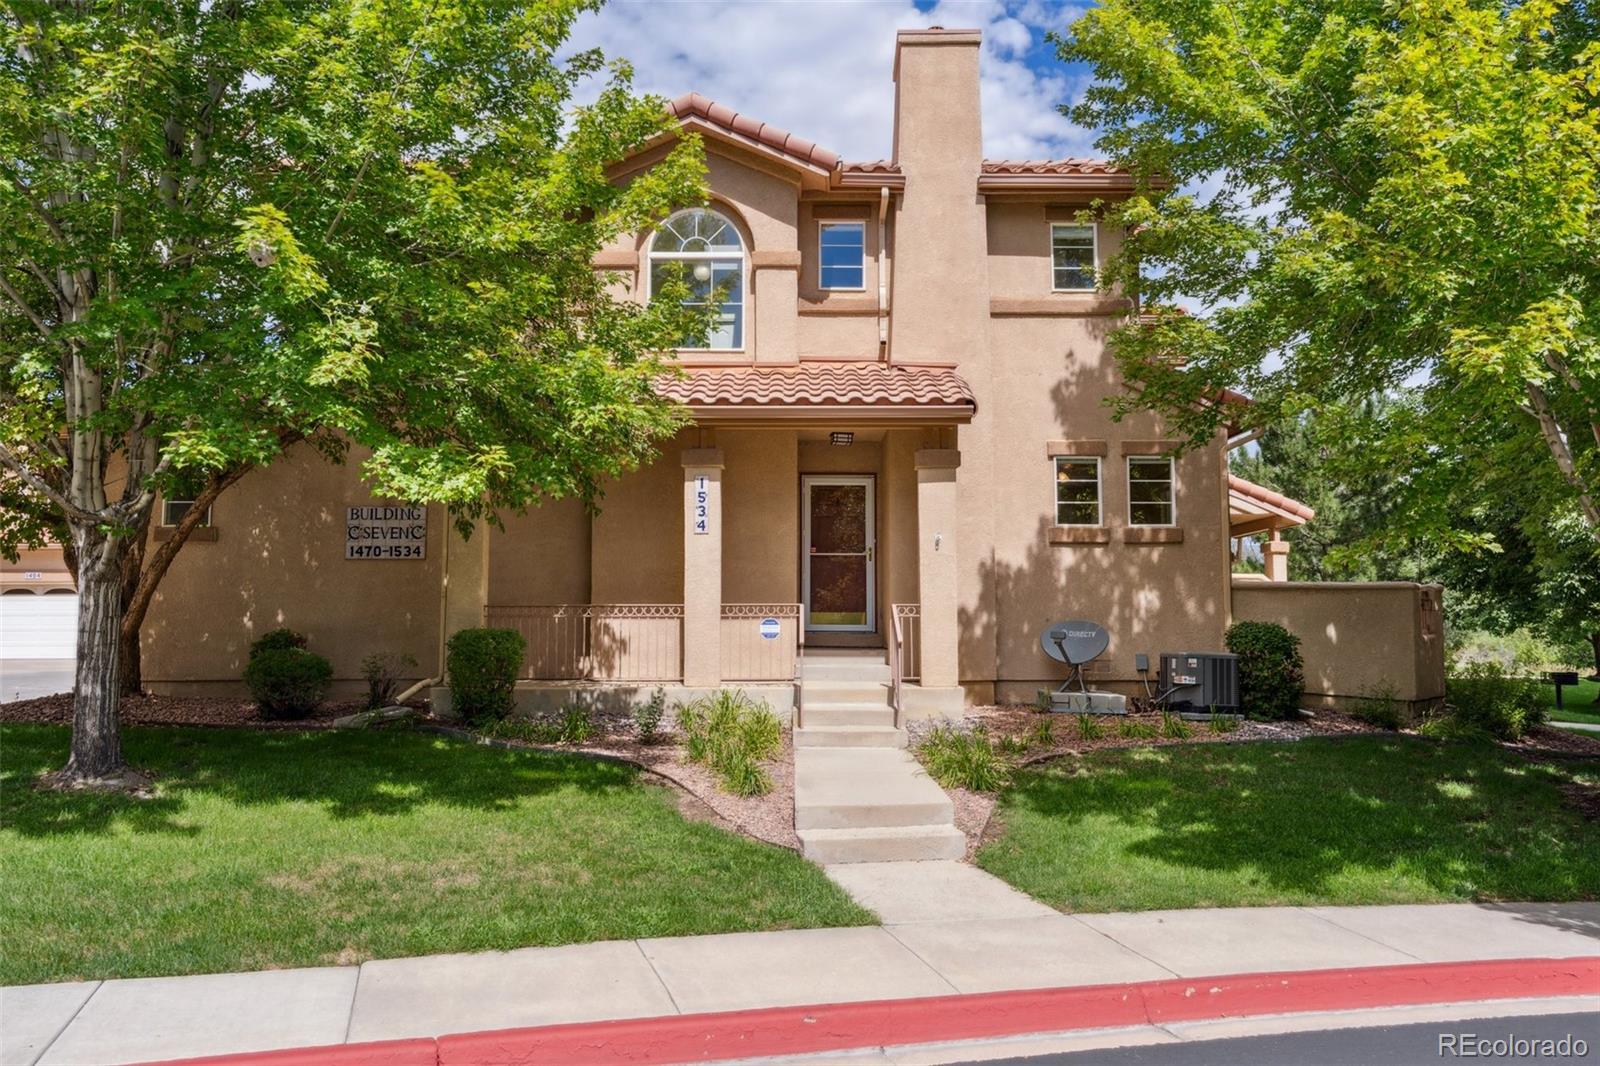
<point>1249,492</point>
<point>873,387</point>
<point>870,166</point>
<point>1051,166</point>
<point>726,118</point>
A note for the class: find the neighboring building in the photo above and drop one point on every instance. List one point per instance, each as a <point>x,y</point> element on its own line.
<point>900,442</point>
<point>39,609</point>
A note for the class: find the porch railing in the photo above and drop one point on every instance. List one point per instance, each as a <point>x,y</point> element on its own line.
<point>596,641</point>
<point>749,653</point>
<point>905,656</point>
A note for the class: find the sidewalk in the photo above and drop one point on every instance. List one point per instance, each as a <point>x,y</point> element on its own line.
<point>948,929</point>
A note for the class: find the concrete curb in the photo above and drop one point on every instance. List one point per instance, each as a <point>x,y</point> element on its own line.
<point>836,1027</point>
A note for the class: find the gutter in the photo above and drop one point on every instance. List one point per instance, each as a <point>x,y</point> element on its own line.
<point>883,280</point>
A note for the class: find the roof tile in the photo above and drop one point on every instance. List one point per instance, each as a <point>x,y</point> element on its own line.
<point>819,385</point>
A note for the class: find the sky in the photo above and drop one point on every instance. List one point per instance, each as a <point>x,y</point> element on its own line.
<point>822,68</point>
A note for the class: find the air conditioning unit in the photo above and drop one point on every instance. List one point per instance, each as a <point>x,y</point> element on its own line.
<point>1204,680</point>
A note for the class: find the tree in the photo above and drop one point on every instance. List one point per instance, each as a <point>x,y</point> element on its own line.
<point>1378,199</point>
<point>230,227</point>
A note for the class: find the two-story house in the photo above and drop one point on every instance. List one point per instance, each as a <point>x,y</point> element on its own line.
<point>900,454</point>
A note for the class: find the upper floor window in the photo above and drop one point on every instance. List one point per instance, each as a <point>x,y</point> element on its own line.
<point>705,249</point>
<point>172,512</point>
<point>1150,496</point>
<point>1077,490</point>
<point>1072,257</point>
<point>842,255</point>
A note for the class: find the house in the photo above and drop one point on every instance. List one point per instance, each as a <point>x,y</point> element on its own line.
<point>900,456</point>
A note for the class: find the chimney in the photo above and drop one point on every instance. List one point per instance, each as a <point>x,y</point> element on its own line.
<point>937,120</point>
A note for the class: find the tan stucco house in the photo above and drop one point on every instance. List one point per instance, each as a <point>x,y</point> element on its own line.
<point>899,445</point>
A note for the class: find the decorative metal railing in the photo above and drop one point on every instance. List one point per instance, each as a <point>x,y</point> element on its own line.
<point>597,641</point>
<point>751,650</point>
<point>905,657</point>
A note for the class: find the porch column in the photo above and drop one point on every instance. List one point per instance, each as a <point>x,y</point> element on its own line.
<point>1275,558</point>
<point>937,522</point>
<point>702,567</point>
<point>466,588</point>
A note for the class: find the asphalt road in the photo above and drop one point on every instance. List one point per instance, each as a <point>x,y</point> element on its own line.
<point>24,679</point>
<point>1394,1045</point>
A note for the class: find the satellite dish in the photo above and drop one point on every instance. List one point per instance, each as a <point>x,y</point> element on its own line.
<point>1074,641</point>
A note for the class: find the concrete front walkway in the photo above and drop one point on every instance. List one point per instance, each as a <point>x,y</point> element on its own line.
<point>927,947</point>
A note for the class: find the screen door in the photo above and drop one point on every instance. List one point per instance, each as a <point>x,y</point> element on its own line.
<point>837,567</point>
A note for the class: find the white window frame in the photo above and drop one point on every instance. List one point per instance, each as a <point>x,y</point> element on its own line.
<point>1172,482</point>
<point>1099,489</point>
<point>1094,252</point>
<point>166,516</point>
<point>690,257</point>
<point>824,223</point>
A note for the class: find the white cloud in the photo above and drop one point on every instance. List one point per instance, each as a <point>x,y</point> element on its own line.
<point>823,69</point>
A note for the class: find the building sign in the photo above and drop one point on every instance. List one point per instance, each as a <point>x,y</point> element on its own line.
<point>386,531</point>
<point>702,504</point>
<point>770,628</point>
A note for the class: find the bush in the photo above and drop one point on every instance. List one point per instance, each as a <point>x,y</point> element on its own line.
<point>958,759</point>
<point>288,683</point>
<point>277,640</point>
<point>383,671</point>
<point>1380,706</point>
<point>731,734</point>
<point>1134,729</point>
<point>1270,668</point>
<point>482,665</point>
<point>577,724</point>
<point>1483,697</point>
<point>1090,727</point>
<point>1223,723</point>
<point>1174,728</point>
<point>1043,734</point>
<point>647,717</point>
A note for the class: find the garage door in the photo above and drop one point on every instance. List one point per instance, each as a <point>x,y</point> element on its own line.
<point>35,626</point>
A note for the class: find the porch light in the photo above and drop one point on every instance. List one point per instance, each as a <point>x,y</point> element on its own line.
<point>842,439</point>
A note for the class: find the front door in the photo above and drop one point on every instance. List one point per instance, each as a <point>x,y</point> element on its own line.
<point>837,568</point>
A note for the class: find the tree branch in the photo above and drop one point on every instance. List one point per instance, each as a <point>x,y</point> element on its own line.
<point>23,306</point>
<point>10,461</point>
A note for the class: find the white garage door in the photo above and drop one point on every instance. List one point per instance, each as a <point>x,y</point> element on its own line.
<point>34,626</point>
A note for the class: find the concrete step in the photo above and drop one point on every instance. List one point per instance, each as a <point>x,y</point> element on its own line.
<point>845,714</point>
<point>865,788</point>
<point>850,736</point>
<point>840,690</point>
<point>874,668</point>
<point>912,843</point>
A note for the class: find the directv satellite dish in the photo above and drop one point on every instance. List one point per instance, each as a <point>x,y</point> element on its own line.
<point>1074,642</point>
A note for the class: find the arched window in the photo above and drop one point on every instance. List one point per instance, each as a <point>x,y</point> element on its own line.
<point>706,247</point>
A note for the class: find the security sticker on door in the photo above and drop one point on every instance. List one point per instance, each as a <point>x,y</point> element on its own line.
<point>702,505</point>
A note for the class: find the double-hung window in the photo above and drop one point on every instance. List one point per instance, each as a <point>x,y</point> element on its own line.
<point>1151,501</point>
<point>1072,257</point>
<point>172,512</point>
<point>1077,490</point>
<point>842,255</point>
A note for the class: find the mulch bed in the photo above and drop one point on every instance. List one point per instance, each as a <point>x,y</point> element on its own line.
<point>237,712</point>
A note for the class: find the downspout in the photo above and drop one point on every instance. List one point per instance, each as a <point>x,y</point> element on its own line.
<point>444,594</point>
<point>883,278</point>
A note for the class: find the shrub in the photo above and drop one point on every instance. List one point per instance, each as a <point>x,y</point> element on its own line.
<point>731,734</point>
<point>577,724</point>
<point>1043,734</point>
<point>1134,729</point>
<point>1174,728</point>
<point>647,717</point>
<point>1223,723</point>
<point>958,759</point>
<point>277,640</point>
<point>1010,745</point>
<point>1090,727</point>
<point>1380,706</point>
<point>383,671</point>
<point>482,665</point>
<point>1482,696</point>
<point>287,683</point>
<point>1270,668</point>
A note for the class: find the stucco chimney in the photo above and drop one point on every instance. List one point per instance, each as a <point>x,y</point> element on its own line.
<point>941,288</point>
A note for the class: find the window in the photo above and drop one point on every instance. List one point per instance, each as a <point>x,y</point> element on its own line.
<point>704,249</point>
<point>1077,491</point>
<point>842,254</point>
<point>172,512</point>
<point>1150,499</point>
<point>1072,257</point>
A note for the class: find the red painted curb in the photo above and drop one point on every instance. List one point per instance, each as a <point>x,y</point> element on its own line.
<point>836,1027</point>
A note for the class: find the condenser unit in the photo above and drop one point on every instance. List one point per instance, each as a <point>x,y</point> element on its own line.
<point>1204,680</point>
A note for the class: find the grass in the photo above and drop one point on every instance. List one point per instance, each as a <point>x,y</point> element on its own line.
<point>1582,703</point>
<point>1368,820</point>
<point>285,849</point>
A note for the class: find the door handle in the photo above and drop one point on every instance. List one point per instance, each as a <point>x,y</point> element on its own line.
<point>869,553</point>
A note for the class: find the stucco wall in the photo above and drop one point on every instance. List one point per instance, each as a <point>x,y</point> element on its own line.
<point>541,557</point>
<point>637,538</point>
<point>761,521</point>
<point>278,560</point>
<point>1358,638</point>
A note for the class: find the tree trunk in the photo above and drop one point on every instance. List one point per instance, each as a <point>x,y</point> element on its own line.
<point>131,683</point>
<point>1594,642</point>
<point>96,739</point>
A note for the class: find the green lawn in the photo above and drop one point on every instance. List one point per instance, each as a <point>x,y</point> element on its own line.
<point>1369,820</point>
<point>1582,703</point>
<point>299,849</point>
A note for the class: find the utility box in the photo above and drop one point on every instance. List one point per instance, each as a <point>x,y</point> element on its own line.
<point>1204,680</point>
